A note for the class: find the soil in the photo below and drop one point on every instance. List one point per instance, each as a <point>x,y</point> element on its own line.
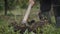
<point>33,26</point>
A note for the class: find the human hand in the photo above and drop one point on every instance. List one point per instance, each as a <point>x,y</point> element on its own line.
<point>31,2</point>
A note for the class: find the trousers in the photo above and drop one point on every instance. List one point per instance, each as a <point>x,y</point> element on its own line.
<point>45,7</point>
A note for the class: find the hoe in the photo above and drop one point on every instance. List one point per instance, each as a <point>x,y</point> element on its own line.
<point>24,21</point>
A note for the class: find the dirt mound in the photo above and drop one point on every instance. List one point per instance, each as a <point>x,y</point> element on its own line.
<point>33,26</point>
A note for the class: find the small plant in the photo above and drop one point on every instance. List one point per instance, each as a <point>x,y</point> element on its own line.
<point>38,30</point>
<point>27,32</point>
<point>49,29</point>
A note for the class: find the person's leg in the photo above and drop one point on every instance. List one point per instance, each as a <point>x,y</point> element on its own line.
<point>57,15</point>
<point>56,7</point>
<point>45,9</point>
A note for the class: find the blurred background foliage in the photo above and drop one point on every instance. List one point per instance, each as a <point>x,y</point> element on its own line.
<point>1,4</point>
<point>13,3</point>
